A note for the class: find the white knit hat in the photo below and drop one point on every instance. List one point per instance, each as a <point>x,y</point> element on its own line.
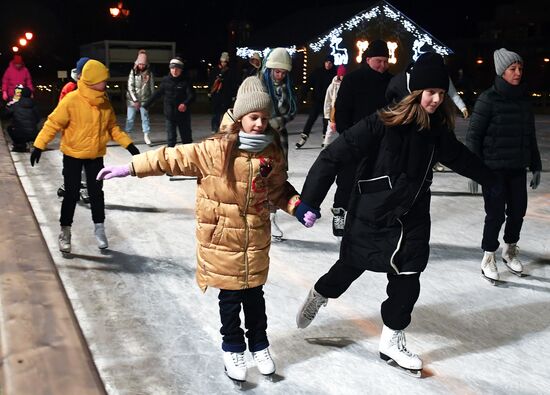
<point>279,59</point>
<point>504,58</point>
<point>251,96</point>
<point>142,57</point>
<point>176,62</point>
<point>224,57</point>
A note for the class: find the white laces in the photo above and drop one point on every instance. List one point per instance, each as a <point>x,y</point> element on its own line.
<point>238,359</point>
<point>339,221</point>
<point>313,307</point>
<point>262,356</point>
<point>399,339</point>
<point>513,251</point>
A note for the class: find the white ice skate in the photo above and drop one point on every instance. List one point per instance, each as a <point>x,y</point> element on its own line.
<point>264,362</point>
<point>235,366</point>
<point>146,139</point>
<point>489,269</point>
<point>510,258</point>
<point>65,239</point>
<point>276,232</point>
<point>99,232</point>
<point>303,139</point>
<point>309,308</point>
<point>393,348</point>
<point>338,221</point>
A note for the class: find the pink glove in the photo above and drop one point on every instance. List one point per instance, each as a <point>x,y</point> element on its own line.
<point>5,96</point>
<point>109,172</point>
<point>309,219</point>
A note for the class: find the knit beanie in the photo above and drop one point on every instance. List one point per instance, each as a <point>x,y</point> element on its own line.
<point>74,75</point>
<point>17,59</point>
<point>256,56</point>
<point>251,96</point>
<point>429,71</point>
<point>176,62</point>
<point>224,57</point>
<point>279,58</point>
<point>504,58</point>
<point>377,48</point>
<point>341,71</point>
<point>80,64</point>
<point>142,57</point>
<point>94,72</point>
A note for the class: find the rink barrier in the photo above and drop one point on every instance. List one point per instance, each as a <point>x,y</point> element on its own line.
<point>42,347</point>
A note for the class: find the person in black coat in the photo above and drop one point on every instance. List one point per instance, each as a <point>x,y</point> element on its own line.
<point>502,133</point>
<point>361,93</point>
<point>387,227</point>
<point>178,95</point>
<point>223,82</point>
<point>319,81</point>
<point>25,118</point>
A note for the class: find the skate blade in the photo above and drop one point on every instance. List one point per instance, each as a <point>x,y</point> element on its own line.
<point>416,373</point>
<point>519,274</point>
<point>238,383</point>
<point>277,238</point>
<point>490,280</point>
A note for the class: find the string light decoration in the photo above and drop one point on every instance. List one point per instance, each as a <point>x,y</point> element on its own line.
<point>245,52</point>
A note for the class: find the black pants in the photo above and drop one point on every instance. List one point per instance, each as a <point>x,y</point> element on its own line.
<point>72,168</point>
<point>344,186</point>
<point>403,291</point>
<point>255,319</point>
<point>509,206</point>
<point>316,109</point>
<point>183,124</point>
<point>20,139</point>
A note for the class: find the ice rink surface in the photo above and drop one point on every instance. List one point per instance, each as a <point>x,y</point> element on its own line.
<point>152,331</point>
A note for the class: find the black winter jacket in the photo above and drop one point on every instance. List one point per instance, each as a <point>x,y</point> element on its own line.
<point>361,93</point>
<point>176,91</point>
<point>388,221</point>
<point>319,80</point>
<point>25,118</point>
<point>502,128</point>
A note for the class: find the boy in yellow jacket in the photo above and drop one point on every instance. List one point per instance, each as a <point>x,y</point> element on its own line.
<point>87,123</point>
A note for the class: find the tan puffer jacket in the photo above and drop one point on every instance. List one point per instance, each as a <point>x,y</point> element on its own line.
<point>232,207</point>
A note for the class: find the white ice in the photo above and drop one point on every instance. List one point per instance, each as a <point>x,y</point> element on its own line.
<point>152,331</point>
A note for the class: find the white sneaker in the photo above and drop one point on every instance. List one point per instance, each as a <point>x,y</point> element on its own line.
<point>99,232</point>
<point>235,365</point>
<point>65,239</point>
<point>146,138</point>
<point>393,346</point>
<point>310,308</point>
<point>264,362</point>
<point>276,232</point>
<point>510,257</point>
<point>489,266</point>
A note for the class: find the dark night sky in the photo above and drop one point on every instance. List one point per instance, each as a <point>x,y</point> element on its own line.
<point>199,27</point>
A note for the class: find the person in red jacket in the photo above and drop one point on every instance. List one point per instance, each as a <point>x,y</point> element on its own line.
<point>15,74</point>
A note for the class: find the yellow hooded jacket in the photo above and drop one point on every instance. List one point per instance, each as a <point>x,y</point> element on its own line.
<point>87,123</point>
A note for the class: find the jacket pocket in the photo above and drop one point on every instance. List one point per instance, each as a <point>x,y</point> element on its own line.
<point>373,185</point>
<point>218,231</point>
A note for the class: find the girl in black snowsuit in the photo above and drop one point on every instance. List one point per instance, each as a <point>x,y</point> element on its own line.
<point>388,224</point>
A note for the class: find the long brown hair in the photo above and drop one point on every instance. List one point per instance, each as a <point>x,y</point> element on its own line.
<point>409,110</point>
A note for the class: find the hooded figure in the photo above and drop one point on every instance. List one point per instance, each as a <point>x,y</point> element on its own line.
<point>15,74</point>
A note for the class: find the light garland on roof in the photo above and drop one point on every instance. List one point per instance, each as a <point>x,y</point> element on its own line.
<point>246,53</point>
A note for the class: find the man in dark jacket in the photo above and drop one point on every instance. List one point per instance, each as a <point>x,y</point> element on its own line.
<point>319,81</point>
<point>178,95</point>
<point>362,92</point>
<point>25,118</point>
<point>223,84</point>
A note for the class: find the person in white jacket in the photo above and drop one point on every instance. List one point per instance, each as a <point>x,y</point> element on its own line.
<point>328,108</point>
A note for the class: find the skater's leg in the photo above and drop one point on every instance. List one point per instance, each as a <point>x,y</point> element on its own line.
<point>494,217</point>
<point>184,127</point>
<point>95,189</point>
<point>71,178</point>
<point>283,136</point>
<point>145,122</point>
<point>516,204</point>
<point>171,133</point>
<point>337,280</point>
<point>130,119</point>
<point>255,319</point>
<point>230,307</point>
<point>403,291</point>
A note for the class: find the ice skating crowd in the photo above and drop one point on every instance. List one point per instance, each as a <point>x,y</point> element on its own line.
<point>383,137</point>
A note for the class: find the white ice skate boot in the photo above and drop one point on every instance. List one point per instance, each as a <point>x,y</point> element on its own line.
<point>489,267</point>
<point>338,221</point>
<point>309,308</point>
<point>393,347</point>
<point>303,139</point>
<point>99,232</point>
<point>146,139</point>
<point>235,365</point>
<point>65,239</point>
<point>276,232</point>
<point>264,362</point>
<point>510,258</point>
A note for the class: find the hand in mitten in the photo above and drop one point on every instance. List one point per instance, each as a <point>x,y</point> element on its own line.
<point>307,215</point>
<point>109,172</point>
<point>473,186</point>
<point>535,181</point>
<point>132,149</point>
<point>5,96</point>
<point>35,155</point>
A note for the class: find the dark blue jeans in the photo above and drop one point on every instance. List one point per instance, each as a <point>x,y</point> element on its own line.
<point>183,124</point>
<point>255,319</point>
<point>509,205</point>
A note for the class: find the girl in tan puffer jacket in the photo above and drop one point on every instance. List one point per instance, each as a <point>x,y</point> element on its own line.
<point>240,176</point>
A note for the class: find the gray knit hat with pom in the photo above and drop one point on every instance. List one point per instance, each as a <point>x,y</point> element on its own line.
<point>251,96</point>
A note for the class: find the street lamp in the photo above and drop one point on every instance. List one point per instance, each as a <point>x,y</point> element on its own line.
<point>15,49</point>
<point>22,42</point>
<point>119,10</point>
<point>29,35</point>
